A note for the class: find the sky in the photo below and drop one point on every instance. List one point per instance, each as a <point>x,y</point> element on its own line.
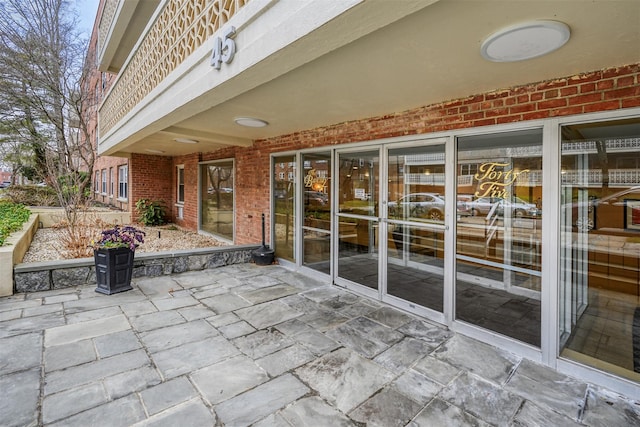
<point>87,10</point>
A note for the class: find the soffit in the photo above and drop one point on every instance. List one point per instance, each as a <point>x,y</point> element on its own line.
<point>124,31</point>
<point>428,57</point>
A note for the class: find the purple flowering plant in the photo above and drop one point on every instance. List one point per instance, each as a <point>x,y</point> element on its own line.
<point>120,237</point>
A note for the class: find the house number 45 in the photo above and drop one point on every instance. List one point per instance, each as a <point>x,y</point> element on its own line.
<point>224,48</point>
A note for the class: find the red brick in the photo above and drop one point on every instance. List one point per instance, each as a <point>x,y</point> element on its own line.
<point>633,102</point>
<point>568,111</point>
<point>496,112</point>
<point>535,115</point>
<point>627,92</point>
<point>585,99</point>
<point>568,91</point>
<point>605,84</point>
<point>555,103</point>
<point>508,119</point>
<point>551,94</point>
<point>625,81</point>
<point>587,87</point>
<point>522,108</point>
<point>602,106</point>
<point>473,116</point>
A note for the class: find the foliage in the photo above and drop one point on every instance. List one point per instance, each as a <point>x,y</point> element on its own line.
<point>151,212</point>
<point>120,237</point>
<point>31,195</point>
<point>46,100</point>
<point>71,185</point>
<point>78,240</point>
<point>12,216</point>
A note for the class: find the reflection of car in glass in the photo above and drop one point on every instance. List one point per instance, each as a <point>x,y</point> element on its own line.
<point>212,190</point>
<point>519,208</point>
<point>610,211</point>
<point>315,198</point>
<point>420,205</point>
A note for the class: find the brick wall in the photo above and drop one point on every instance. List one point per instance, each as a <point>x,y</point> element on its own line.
<point>609,89</point>
<point>150,177</point>
<point>109,163</point>
<point>190,207</point>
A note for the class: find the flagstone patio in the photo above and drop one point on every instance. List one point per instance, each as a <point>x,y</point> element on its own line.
<point>247,345</point>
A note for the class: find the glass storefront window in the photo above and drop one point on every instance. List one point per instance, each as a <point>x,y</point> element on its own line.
<point>317,211</point>
<point>217,199</point>
<point>600,246</point>
<point>499,233</point>
<point>284,203</point>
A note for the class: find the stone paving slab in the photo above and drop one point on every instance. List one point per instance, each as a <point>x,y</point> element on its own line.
<point>90,329</point>
<point>245,345</point>
<point>261,401</point>
<point>20,393</point>
<point>20,352</point>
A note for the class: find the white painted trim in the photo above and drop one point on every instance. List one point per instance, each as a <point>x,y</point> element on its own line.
<point>549,334</point>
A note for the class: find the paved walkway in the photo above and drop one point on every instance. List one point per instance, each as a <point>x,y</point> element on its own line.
<point>247,345</point>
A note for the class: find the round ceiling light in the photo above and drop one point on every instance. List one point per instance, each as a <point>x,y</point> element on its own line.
<point>186,140</point>
<point>250,122</point>
<point>153,150</point>
<point>525,41</point>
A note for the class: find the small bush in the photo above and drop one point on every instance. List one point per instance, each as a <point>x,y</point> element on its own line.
<point>78,239</point>
<point>12,216</point>
<point>151,212</point>
<point>31,195</point>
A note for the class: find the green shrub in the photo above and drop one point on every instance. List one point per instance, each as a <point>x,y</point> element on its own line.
<point>12,216</point>
<point>31,195</point>
<point>151,212</point>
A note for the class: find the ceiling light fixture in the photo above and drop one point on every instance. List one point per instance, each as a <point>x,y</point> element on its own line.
<point>186,140</point>
<point>526,40</point>
<point>250,122</point>
<point>154,151</point>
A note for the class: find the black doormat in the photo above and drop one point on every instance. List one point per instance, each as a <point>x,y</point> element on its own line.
<point>636,340</point>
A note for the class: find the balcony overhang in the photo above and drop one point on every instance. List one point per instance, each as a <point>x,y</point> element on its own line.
<point>121,24</point>
<point>358,59</point>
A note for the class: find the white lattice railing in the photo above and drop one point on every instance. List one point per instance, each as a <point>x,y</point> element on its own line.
<point>108,13</point>
<point>181,27</point>
<point>610,145</point>
<point>593,178</point>
<point>424,159</point>
<point>420,178</point>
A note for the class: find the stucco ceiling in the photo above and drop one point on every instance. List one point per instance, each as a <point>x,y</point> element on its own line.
<point>430,56</point>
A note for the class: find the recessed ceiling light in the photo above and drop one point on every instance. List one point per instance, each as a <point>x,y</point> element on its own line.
<point>186,140</point>
<point>250,122</point>
<point>154,151</point>
<point>525,41</point>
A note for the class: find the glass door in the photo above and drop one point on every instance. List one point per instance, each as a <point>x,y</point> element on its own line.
<point>217,199</point>
<point>416,231</point>
<point>357,220</point>
<point>316,211</point>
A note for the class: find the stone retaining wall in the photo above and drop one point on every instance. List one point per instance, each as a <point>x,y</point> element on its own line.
<point>44,276</point>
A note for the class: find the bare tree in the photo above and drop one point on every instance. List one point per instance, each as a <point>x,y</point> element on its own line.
<point>45,104</point>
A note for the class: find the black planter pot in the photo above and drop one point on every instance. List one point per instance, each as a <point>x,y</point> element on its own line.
<point>114,267</point>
